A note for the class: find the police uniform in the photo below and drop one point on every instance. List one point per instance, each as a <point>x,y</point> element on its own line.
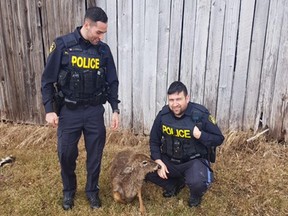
<point>86,77</point>
<point>187,159</point>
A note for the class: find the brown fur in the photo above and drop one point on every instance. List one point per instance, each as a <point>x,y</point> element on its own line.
<point>127,172</point>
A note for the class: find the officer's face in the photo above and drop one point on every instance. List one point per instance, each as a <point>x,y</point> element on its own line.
<point>95,31</point>
<point>178,103</point>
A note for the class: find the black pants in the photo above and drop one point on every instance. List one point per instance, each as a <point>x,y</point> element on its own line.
<point>72,123</point>
<point>196,174</point>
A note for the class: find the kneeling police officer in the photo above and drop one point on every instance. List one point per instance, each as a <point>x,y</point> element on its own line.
<point>183,139</point>
<point>80,75</point>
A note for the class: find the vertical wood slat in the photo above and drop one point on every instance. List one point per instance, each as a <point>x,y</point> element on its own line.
<point>175,40</point>
<point>214,55</point>
<point>250,119</point>
<point>13,55</point>
<point>188,34</point>
<point>200,50</point>
<point>164,31</point>
<point>279,105</point>
<point>227,62</point>
<point>150,63</point>
<point>138,65</point>
<point>270,59</point>
<point>242,62</point>
<point>125,65</point>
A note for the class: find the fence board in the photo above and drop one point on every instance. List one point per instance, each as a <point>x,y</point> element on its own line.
<point>200,50</point>
<point>150,63</point>
<point>270,59</point>
<point>125,65</point>
<point>242,59</point>
<point>164,31</point>
<point>188,37</point>
<point>227,62</point>
<point>214,54</point>
<point>175,40</point>
<point>4,73</point>
<point>250,120</point>
<point>280,94</point>
<point>138,65</point>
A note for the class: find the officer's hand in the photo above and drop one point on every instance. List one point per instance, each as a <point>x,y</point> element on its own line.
<point>52,119</point>
<point>115,121</point>
<point>163,171</point>
<point>196,132</point>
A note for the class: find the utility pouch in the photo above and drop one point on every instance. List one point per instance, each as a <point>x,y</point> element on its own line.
<point>58,99</point>
<point>63,77</point>
<point>100,81</point>
<point>177,149</point>
<point>212,154</point>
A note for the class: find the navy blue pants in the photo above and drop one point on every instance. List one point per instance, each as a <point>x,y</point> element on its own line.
<point>72,123</point>
<point>196,174</point>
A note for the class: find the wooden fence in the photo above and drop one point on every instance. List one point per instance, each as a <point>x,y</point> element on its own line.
<point>231,54</point>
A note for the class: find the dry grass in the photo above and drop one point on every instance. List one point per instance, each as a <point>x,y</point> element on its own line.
<point>250,179</point>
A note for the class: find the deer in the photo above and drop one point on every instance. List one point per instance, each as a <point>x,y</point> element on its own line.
<point>127,172</point>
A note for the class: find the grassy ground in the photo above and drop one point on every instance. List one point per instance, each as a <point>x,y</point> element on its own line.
<point>250,179</point>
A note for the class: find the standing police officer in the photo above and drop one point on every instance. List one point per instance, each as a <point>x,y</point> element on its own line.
<point>80,75</point>
<point>183,139</point>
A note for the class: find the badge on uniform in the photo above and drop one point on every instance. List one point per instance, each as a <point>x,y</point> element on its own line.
<point>212,119</point>
<point>52,47</point>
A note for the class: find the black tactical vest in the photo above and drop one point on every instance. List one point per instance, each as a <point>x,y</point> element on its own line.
<point>82,78</point>
<point>178,141</point>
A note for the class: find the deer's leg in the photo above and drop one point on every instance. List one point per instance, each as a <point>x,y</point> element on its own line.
<point>142,207</point>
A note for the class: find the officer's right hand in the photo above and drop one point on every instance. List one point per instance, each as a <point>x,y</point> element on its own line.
<point>52,119</point>
<point>163,171</point>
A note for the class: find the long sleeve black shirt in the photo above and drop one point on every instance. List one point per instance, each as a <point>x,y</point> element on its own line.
<point>210,132</point>
<point>53,67</point>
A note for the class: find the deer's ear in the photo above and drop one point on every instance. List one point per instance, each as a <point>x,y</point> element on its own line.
<point>128,169</point>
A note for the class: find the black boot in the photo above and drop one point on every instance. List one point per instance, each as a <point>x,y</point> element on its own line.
<point>68,202</point>
<point>194,201</point>
<point>174,191</point>
<point>94,201</point>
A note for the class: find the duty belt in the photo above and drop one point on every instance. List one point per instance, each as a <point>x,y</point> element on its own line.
<point>179,161</point>
<point>74,104</point>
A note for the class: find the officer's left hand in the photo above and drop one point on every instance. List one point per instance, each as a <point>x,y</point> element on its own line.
<point>115,121</point>
<point>196,132</point>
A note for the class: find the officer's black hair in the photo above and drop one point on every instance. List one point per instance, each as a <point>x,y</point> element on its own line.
<point>96,14</point>
<point>178,87</point>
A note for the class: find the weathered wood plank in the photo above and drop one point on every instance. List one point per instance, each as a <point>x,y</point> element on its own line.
<point>242,62</point>
<point>125,63</point>
<point>250,120</point>
<point>270,59</point>
<point>227,62</point>
<point>164,31</point>
<point>214,55</point>
<point>150,63</point>
<point>200,50</point>
<point>175,40</point>
<point>279,105</point>
<point>138,65</point>
<point>188,36</point>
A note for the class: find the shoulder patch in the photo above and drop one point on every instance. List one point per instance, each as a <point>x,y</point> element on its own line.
<point>52,47</point>
<point>212,119</point>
